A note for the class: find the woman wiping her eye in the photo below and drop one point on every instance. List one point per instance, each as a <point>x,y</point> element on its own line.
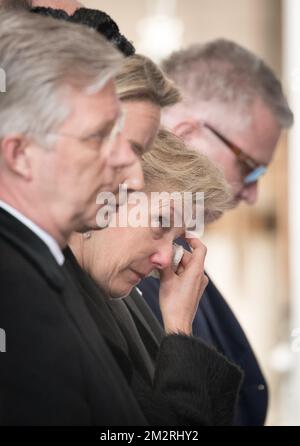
<point>172,375</point>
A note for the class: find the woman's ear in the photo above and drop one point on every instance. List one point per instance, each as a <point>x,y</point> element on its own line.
<point>15,154</point>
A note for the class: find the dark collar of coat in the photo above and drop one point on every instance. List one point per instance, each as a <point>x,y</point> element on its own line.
<point>141,311</point>
<point>32,248</point>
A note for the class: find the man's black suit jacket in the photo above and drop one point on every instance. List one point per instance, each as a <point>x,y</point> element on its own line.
<point>56,370</point>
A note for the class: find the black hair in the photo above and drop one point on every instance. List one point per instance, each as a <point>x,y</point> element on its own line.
<point>50,12</point>
<point>105,25</point>
<point>93,18</point>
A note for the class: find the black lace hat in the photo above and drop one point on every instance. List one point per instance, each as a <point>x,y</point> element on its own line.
<point>93,18</point>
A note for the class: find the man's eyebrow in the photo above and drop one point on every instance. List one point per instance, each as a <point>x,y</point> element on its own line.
<point>105,128</point>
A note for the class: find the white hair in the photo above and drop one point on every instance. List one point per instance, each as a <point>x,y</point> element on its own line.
<point>221,71</point>
<point>44,59</point>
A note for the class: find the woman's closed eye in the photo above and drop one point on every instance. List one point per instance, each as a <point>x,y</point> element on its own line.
<point>137,148</point>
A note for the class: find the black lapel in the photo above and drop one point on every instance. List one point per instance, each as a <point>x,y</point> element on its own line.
<point>32,247</point>
<point>142,312</point>
<point>138,350</point>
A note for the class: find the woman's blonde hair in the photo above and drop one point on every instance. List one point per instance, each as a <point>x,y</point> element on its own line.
<point>141,79</point>
<point>172,167</point>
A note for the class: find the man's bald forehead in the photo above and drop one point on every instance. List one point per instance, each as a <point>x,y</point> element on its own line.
<point>69,6</point>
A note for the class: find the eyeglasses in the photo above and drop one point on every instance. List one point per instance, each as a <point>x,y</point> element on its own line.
<point>252,171</point>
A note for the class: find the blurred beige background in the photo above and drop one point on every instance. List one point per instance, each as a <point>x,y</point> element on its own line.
<point>248,248</point>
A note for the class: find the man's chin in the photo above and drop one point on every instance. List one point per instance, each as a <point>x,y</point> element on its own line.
<point>90,225</point>
<point>89,228</point>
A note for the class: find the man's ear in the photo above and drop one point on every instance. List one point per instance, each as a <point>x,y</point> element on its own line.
<point>15,154</point>
<point>185,128</point>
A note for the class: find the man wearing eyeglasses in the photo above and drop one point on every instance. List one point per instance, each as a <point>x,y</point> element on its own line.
<point>234,111</point>
<point>60,145</point>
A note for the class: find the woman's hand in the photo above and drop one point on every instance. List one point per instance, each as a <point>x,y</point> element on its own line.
<point>180,291</point>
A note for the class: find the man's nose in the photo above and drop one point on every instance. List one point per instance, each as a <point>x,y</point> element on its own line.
<point>133,176</point>
<point>163,255</point>
<point>250,193</point>
<point>122,154</point>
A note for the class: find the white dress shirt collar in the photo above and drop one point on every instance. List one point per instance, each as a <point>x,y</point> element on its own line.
<point>43,235</point>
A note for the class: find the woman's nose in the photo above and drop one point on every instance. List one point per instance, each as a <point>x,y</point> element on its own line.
<point>163,256</point>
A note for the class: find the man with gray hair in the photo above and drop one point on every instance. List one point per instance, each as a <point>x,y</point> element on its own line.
<point>234,111</point>
<point>231,100</point>
<point>60,145</point>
